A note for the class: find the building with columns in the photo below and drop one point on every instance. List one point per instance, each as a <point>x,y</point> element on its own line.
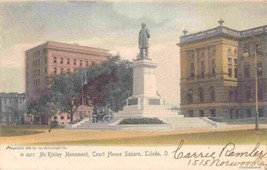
<point>55,58</point>
<point>218,72</point>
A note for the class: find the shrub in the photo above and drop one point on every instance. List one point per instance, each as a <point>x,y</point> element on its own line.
<point>53,124</point>
<point>144,120</point>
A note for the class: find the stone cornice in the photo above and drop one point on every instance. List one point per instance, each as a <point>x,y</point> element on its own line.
<point>221,31</point>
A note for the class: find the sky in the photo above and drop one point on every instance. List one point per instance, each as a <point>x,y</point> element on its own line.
<point>114,25</point>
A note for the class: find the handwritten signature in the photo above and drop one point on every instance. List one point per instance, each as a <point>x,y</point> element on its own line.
<point>217,158</point>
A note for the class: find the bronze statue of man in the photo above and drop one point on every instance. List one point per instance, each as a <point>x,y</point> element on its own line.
<point>143,41</point>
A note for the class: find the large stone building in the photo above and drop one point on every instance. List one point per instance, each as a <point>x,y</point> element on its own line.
<point>55,58</point>
<point>12,107</point>
<point>218,72</point>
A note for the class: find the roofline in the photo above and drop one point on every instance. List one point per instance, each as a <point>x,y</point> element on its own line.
<point>186,39</point>
<point>47,43</point>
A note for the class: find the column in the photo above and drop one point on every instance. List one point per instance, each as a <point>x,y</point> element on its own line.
<point>206,61</point>
<point>196,63</point>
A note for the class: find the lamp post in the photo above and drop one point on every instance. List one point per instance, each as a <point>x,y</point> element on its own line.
<point>256,84</point>
<point>83,83</point>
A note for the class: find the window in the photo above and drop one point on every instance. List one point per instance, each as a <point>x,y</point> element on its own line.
<point>38,72</point>
<point>213,113</point>
<point>201,95</point>
<point>201,113</point>
<point>55,59</point>
<point>260,112</point>
<point>190,96</point>
<point>45,59</point>
<point>230,67</point>
<point>235,68</point>
<point>61,70</point>
<point>81,63</point>
<point>68,61</point>
<point>202,69</point>
<point>192,70</point>
<point>259,69</point>
<point>212,94</point>
<point>248,112</point>
<point>68,70</point>
<point>259,48</point>
<point>248,96</point>
<point>61,117</point>
<point>55,117</point>
<point>38,62</point>
<point>61,60</point>
<point>235,71</point>
<point>45,70</point>
<point>191,113</point>
<point>247,71</point>
<point>55,70</point>
<point>74,62</point>
<point>213,67</point>
<point>231,113</point>
<point>86,63</point>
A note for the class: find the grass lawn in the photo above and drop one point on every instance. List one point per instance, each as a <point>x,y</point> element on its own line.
<point>41,136</point>
<point>7,131</point>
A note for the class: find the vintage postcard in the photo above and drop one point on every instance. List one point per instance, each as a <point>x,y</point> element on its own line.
<point>128,85</point>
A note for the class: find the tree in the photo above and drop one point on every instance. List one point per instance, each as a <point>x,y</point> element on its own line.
<point>66,92</point>
<point>42,105</point>
<point>109,83</point>
<point>106,84</point>
<point>15,112</point>
<point>63,94</point>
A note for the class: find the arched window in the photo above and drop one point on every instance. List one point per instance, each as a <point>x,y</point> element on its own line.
<point>201,95</point>
<point>248,96</point>
<point>212,94</point>
<point>190,96</point>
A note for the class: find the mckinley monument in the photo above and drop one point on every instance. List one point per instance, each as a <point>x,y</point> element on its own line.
<point>144,101</point>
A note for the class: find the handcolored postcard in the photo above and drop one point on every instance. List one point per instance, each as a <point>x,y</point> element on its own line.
<point>133,85</point>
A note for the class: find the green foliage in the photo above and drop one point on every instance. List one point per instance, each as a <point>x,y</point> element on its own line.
<point>110,83</point>
<point>63,95</point>
<point>144,120</point>
<point>107,84</point>
<point>53,124</point>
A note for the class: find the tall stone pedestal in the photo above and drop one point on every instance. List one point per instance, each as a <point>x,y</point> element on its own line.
<point>144,102</point>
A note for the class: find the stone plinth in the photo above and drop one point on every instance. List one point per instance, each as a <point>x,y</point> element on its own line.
<point>144,102</point>
<point>144,79</point>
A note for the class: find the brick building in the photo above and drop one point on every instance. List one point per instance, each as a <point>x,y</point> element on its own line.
<point>55,58</point>
<point>218,72</point>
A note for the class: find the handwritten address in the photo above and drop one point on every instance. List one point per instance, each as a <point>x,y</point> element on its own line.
<point>226,156</point>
